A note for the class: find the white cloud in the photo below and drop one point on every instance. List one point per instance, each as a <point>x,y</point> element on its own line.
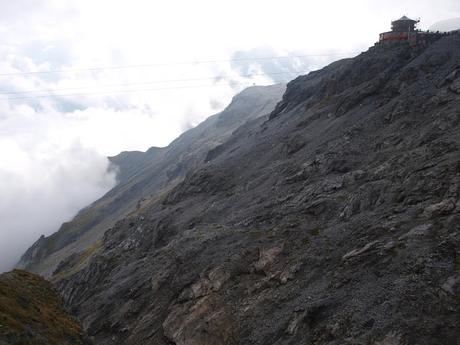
<point>43,186</point>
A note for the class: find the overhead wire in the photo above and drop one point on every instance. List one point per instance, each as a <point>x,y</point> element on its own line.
<point>146,83</point>
<point>89,69</point>
<point>117,92</point>
<point>31,94</point>
<point>121,91</point>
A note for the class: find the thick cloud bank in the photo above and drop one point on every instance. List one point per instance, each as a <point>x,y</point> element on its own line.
<point>43,182</point>
<point>49,192</point>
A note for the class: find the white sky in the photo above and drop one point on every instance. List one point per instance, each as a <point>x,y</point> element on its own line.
<point>52,150</point>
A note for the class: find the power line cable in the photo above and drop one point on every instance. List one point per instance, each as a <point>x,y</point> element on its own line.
<point>116,92</point>
<point>147,83</point>
<point>89,69</point>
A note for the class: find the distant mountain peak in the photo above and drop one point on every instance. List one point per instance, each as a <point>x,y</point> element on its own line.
<point>446,25</point>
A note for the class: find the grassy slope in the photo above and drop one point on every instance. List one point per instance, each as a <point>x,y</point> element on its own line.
<point>31,312</point>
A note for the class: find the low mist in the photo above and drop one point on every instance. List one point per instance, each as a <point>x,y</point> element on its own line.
<point>40,190</point>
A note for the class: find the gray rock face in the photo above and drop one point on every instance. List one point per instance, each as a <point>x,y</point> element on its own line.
<point>335,220</point>
<point>143,177</point>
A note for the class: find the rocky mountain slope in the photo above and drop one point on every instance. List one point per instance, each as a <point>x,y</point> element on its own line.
<point>334,220</point>
<point>31,312</point>
<point>143,177</point>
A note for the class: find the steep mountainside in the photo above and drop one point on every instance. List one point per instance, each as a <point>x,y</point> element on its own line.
<point>335,220</point>
<point>31,312</point>
<point>144,177</point>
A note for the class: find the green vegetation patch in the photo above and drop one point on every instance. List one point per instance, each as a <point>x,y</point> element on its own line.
<point>31,312</point>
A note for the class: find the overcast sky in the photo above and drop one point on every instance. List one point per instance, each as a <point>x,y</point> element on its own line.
<point>134,74</point>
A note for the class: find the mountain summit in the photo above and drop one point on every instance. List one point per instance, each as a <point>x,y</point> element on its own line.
<point>334,219</point>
